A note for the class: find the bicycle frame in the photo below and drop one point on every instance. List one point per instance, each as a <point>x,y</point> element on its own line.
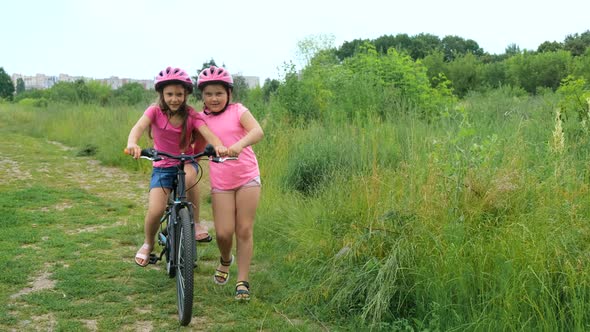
<point>176,201</point>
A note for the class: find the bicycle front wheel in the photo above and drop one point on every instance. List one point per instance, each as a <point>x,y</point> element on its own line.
<point>184,266</point>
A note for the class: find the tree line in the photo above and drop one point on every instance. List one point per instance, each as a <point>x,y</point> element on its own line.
<point>459,64</point>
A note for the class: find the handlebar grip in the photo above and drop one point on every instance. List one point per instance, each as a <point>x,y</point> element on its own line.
<point>209,150</point>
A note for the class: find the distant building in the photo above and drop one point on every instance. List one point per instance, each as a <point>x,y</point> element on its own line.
<point>42,81</point>
<point>39,81</point>
<point>252,81</point>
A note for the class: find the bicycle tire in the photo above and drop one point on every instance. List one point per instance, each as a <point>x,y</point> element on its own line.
<point>184,266</point>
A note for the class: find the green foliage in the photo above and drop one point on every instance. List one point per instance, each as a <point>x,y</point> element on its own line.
<point>309,47</point>
<point>545,68</point>
<point>95,92</point>
<point>422,45</point>
<point>20,86</point>
<point>318,158</point>
<point>532,70</point>
<point>269,88</point>
<point>435,64</point>
<point>580,66</point>
<point>574,98</point>
<point>33,94</point>
<point>6,85</point>
<point>387,204</point>
<point>364,86</point>
<point>465,221</point>
<point>577,44</point>
<point>350,48</point>
<point>131,94</point>
<point>404,83</point>
<point>91,92</point>
<point>69,92</point>
<point>465,74</point>
<point>296,97</point>
<point>512,50</point>
<point>494,74</point>
<point>37,102</point>
<point>241,90</point>
<point>550,47</point>
<point>455,46</point>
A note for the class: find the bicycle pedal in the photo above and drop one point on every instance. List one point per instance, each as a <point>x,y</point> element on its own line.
<point>154,258</point>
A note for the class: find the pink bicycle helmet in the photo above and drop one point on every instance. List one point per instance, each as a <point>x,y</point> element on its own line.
<point>215,75</point>
<point>173,75</point>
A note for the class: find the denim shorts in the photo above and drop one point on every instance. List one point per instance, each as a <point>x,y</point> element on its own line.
<point>164,177</point>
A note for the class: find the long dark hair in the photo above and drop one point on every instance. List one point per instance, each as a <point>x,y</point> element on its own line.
<point>183,111</point>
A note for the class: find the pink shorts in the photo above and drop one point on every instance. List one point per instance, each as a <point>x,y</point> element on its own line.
<point>255,182</point>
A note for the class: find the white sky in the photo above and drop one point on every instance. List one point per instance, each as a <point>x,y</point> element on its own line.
<point>138,38</point>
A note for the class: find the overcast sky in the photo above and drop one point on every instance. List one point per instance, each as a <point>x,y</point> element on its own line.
<point>138,38</point>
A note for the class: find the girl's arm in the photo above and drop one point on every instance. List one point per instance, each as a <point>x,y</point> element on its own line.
<point>254,135</point>
<point>212,139</point>
<point>142,124</point>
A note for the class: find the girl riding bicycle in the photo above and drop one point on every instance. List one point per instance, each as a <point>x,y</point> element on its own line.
<point>171,124</point>
<point>235,185</point>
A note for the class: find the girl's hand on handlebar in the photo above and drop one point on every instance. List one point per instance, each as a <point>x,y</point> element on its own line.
<point>133,150</point>
<point>221,151</point>
<point>234,150</point>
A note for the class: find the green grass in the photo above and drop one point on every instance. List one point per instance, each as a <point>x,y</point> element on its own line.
<point>68,240</point>
<point>469,222</point>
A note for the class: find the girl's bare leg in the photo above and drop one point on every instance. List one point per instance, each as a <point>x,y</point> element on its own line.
<point>246,203</point>
<point>224,213</point>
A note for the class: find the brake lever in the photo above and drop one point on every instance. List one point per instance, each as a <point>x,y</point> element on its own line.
<point>222,159</point>
<point>151,158</point>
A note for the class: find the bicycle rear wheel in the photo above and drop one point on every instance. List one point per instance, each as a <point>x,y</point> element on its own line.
<point>184,266</point>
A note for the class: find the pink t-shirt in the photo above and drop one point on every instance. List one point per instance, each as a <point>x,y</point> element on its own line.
<point>232,173</point>
<point>166,136</point>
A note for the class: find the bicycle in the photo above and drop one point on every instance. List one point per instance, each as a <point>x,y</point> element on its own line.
<point>177,229</point>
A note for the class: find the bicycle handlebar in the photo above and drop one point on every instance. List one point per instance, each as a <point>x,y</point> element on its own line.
<point>156,155</point>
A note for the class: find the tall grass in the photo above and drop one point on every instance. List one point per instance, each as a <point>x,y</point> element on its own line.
<point>91,129</point>
<point>470,222</point>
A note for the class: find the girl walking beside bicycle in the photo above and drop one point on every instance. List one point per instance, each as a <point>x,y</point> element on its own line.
<point>235,185</point>
<point>171,124</point>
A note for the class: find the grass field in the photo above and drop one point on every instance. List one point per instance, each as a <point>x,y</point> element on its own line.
<point>477,221</point>
<point>70,228</point>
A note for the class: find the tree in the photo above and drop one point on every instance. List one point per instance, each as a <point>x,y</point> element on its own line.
<point>131,94</point>
<point>348,49</point>
<point>240,91</point>
<point>577,44</point>
<point>423,44</point>
<point>531,70</point>
<point>465,73</point>
<point>20,86</point>
<point>512,50</point>
<point>455,46</point>
<point>269,88</point>
<point>6,85</point>
<point>549,47</point>
<point>308,47</point>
